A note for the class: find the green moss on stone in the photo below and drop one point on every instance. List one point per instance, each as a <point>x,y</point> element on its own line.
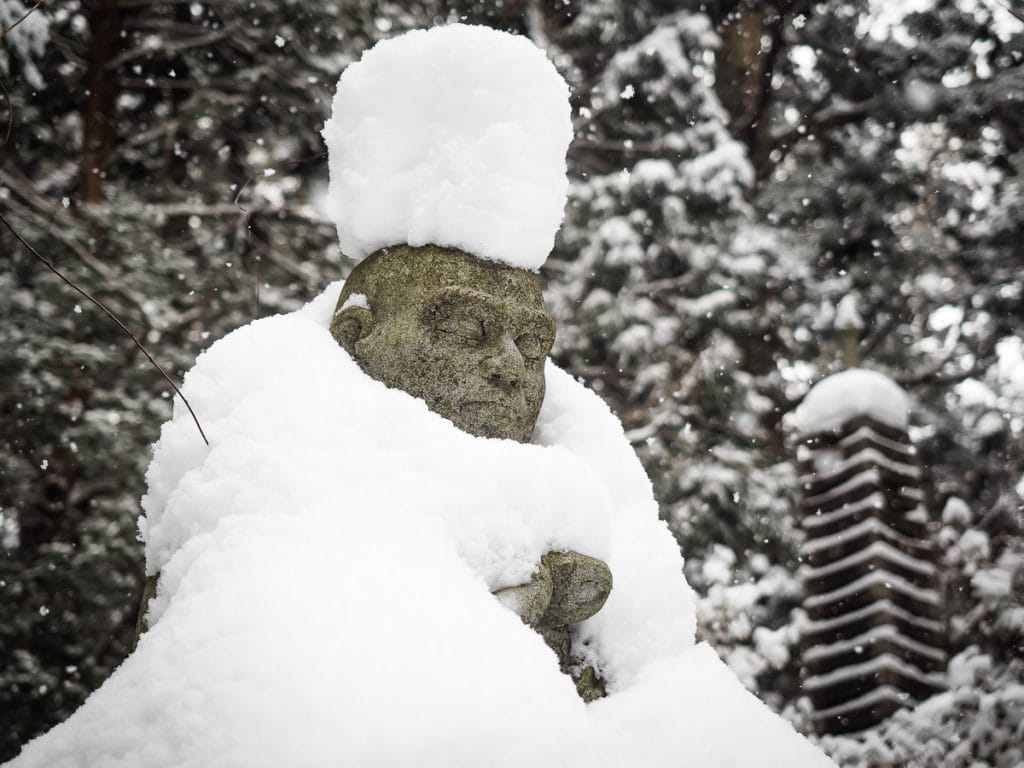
<point>467,336</point>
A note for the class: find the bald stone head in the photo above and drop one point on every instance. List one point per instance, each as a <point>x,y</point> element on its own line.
<point>467,336</point>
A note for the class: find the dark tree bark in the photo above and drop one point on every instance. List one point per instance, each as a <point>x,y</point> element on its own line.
<point>741,66</point>
<point>100,102</point>
<point>752,43</point>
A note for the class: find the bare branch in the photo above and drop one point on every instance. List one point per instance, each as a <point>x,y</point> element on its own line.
<point>220,210</point>
<point>930,371</point>
<point>106,310</point>
<point>609,145</point>
<point>49,216</point>
<point>830,117</point>
<point>1015,13</point>
<point>162,128</point>
<point>24,16</point>
<point>878,334</point>
<point>143,3</point>
<point>170,47</point>
<point>10,117</point>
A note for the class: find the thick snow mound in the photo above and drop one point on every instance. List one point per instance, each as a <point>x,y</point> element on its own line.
<point>454,136</point>
<point>326,568</point>
<point>855,392</point>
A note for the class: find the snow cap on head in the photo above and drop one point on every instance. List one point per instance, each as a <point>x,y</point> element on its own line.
<point>454,136</point>
<point>835,400</point>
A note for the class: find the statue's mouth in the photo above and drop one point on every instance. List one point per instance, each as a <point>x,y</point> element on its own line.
<point>483,408</point>
<point>497,417</point>
<point>508,404</point>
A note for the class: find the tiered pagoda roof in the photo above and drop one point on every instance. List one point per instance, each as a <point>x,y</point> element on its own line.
<point>875,638</point>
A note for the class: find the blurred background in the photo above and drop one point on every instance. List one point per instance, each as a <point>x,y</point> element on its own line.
<point>763,193</point>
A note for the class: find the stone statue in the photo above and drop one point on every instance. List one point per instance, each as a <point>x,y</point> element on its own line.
<point>469,337</point>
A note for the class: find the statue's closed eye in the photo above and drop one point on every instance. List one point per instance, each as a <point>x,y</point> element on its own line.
<point>463,327</point>
<point>532,346</point>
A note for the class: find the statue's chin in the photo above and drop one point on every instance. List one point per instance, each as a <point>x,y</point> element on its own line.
<point>495,419</point>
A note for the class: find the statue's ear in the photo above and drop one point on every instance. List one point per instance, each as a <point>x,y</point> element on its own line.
<point>351,324</point>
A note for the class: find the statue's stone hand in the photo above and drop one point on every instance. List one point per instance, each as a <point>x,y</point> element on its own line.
<point>580,585</point>
<point>530,600</point>
<point>566,589</point>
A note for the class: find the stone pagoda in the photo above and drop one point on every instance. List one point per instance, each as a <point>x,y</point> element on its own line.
<point>875,638</point>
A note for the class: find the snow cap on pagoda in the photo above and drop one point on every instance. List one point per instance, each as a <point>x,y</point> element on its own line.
<point>834,401</point>
<point>454,136</point>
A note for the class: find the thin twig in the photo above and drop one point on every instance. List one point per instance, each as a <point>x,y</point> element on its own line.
<point>51,218</point>
<point>626,145</point>
<point>117,320</point>
<point>24,16</point>
<point>257,285</point>
<point>241,189</point>
<point>291,163</point>
<point>171,47</point>
<point>928,372</point>
<point>247,215</point>
<point>1016,14</point>
<point>10,117</point>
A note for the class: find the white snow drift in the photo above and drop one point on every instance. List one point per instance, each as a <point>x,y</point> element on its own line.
<point>454,136</point>
<point>327,563</point>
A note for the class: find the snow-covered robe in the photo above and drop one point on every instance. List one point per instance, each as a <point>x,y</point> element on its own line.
<point>325,598</point>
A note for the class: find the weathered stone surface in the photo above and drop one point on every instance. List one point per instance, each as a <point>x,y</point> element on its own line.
<point>530,600</point>
<point>467,336</point>
<point>566,588</point>
<point>589,685</point>
<point>580,585</point>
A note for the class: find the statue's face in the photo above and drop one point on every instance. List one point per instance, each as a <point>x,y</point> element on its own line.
<point>467,336</point>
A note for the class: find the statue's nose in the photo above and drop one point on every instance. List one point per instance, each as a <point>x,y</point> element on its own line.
<point>506,367</point>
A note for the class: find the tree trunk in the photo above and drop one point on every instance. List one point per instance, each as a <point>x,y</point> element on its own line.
<point>741,66</point>
<point>752,40</point>
<point>99,105</point>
